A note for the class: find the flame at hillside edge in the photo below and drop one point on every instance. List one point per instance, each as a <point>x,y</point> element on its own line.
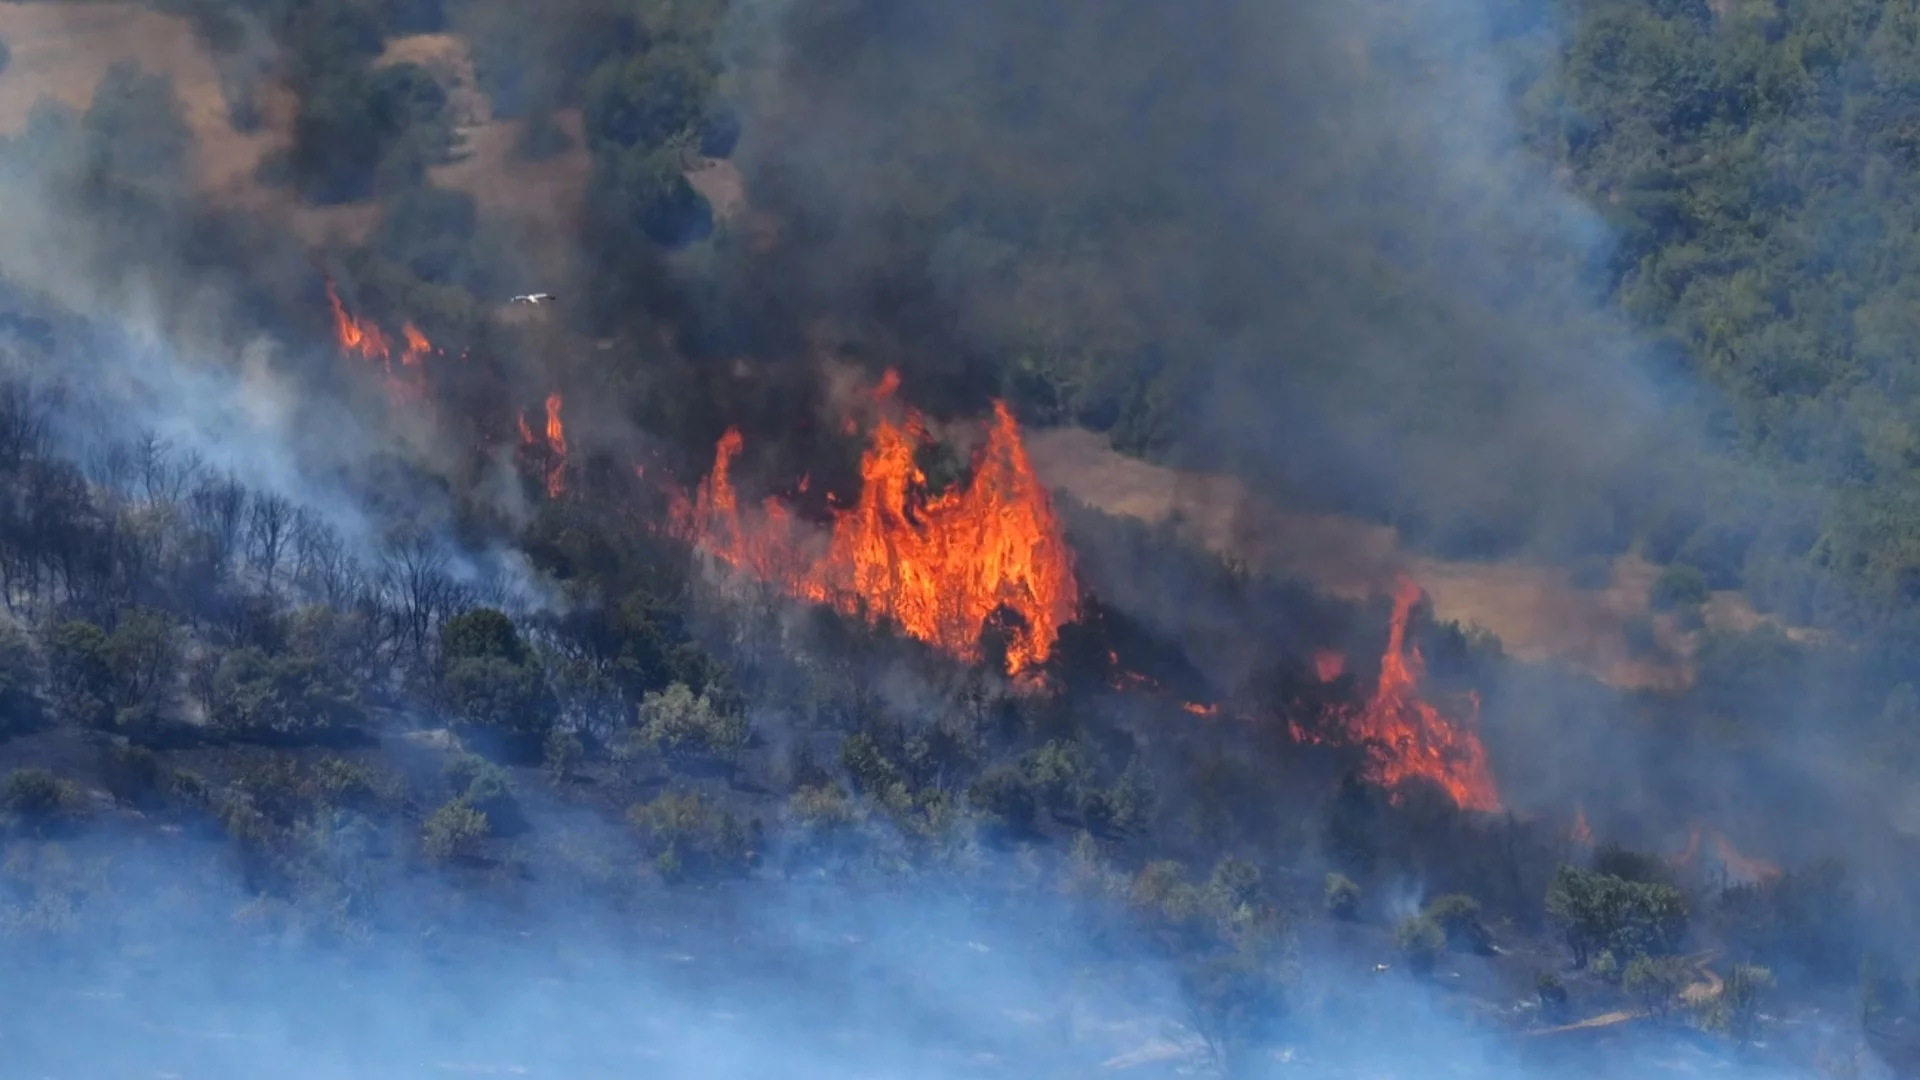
<point>937,566</point>
<point>1407,737</point>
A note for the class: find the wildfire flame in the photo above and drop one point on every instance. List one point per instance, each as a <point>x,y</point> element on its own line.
<point>937,566</point>
<point>1581,834</point>
<point>1328,665</point>
<point>557,446</point>
<point>1408,738</point>
<point>1738,866</point>
<point>367,341</point>
<point>554,446</point>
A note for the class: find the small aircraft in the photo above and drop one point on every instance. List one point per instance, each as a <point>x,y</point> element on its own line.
<point>534,298</point>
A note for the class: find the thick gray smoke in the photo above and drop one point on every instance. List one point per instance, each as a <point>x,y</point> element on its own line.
<point>1304,237</point>
<point>792,977</point>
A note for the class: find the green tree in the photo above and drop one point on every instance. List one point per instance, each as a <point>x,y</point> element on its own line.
<point>258,694</point>
<point>645,192</point>
<point>648,100</point>
<point>1656,982</point>
<point>32,795</point>
<point>494,682</point>
<point>81,677</point>
<point>681,727</point>
<point>455,832</point>
<point>479,783</point>
<point>1005,795</point>
<point>1458,917</point>
<point>1627,918</point>
<point>1421,941</point>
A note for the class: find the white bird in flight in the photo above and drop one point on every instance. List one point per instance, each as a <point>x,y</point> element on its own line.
<point>533,298</point>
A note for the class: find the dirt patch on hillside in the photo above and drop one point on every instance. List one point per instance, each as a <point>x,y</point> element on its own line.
<point>62,50</point>
<point>1538,612</point>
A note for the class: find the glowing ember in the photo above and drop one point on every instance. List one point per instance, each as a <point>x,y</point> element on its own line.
<point>1407,738</point>
<point>937,566</point>
<point>1200,709</point>
<point>1328,665</point>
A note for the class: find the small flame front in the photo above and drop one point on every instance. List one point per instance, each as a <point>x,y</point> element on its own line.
<point>364,339</point>
<point>1580,834</point>
<point>1737,866</point>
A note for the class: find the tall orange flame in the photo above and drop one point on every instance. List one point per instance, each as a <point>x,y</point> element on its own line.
<point>551,453</point>
<point>1406,737</point>
<point>557,446</point>
<point>937,566</point>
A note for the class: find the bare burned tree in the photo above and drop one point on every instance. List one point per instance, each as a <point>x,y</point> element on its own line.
<point>414,571</point>
<point>323,567</point>
<point>23,427</point>
<point>218,512</point>
<point>270,529</point>
<point>164,476</point>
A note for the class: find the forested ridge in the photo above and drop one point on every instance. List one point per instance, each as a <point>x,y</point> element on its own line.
<point>329,663</point>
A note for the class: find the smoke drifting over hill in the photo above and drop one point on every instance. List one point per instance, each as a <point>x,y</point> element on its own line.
<point>915,759</point>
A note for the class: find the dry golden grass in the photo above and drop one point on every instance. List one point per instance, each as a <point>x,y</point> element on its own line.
<point>1537,611</point>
